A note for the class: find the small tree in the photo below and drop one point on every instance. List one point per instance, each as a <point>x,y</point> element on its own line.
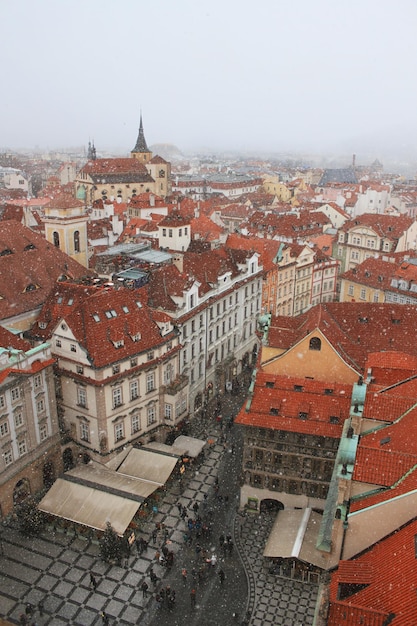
<point>30,520</point>
<point>110,545</point>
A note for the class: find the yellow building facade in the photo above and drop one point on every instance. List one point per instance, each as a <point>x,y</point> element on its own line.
<point>65,222</point>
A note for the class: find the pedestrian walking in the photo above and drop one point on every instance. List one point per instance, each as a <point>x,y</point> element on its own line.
<point>105,619</point>
<point>41,606</point>
<point>193,598</point>
<point>144,586</point>
<point>93,581</point>
<point>221,576</point>
<point>154,535</point>
<point>153,577</point>
<point>29,610</point>
<point>179,506</point>
<point>184,575</point>
<point>195,507</point>
<point>23,619</point>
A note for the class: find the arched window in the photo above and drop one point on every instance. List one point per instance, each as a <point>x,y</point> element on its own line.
<point>21,491</point>
<point>76,241</point>
<point>55,236</point>
<point>315,343</point>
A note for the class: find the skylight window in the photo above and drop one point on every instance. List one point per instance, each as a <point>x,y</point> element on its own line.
<point>30,246</point>
<point>96,317</point>
<point>111,313</point>
<point>138,304</point>
<point>125,309</point>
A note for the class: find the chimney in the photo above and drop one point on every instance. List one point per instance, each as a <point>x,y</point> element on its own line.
<point>354,161</point>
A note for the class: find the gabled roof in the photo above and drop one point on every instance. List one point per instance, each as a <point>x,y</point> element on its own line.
<point>385,591</point>
<point>109,324</point>
<point>387,226</point>
<point>106,171</point>
<point>164,284</point>
<point>32,266</point>
<point>267,248</point>
<point>203,227</point>
<point>354,329</point>
<point>341,175</point>
<point>297,405</point>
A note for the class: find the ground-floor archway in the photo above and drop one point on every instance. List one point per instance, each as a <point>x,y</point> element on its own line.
<point>271,505</point>
<point>21,491</point>
<point>68,459</point>
<point>48,474</point>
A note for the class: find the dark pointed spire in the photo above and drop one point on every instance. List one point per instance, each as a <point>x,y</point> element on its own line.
<point>91,154</point>
<point>141,145</point>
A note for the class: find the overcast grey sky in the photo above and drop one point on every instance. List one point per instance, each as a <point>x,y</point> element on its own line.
<point>224,74</point>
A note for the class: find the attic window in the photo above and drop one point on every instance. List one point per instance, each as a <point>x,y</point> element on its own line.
<point>269,384</point>
<point>274,411</point>
<point>59,301</point>
<point>334,419</point>
<point>395,321</point>
<point>110,313</point>
<point>30,246</point>
<point>328,392</point>
<point>70,301</point>
<point>380,278</point>
<point>298,387</point>
<point>384,441</point>
<point>363,320</point>
<point>6,252</point>
<point>125,309</point>
<point>96,317</point>
<point>138,304</point>
<point>315,343</point>
<point>302,415</point>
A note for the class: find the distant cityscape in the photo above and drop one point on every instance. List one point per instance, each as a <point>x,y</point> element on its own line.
<point>142,292</point>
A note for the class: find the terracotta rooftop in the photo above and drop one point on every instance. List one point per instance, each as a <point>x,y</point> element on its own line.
<point>99,318</point>
<point>33,267</point>
<point>355,329</point>
<point>382,584</point>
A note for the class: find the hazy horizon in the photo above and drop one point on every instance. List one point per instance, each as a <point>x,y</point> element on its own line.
<point>273,77</point>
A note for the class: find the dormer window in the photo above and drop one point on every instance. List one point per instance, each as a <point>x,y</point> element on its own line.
<point>43,325</point>
<point>30,246</point>
<point>6,252</point>
<point>135,337</point>
<point>119,344</point>
<point>31,287</point>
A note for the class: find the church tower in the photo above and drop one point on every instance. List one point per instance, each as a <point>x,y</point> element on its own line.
<point>65,223</point>
<point>141,151</point>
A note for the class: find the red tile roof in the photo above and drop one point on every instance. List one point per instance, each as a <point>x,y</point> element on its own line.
<point>276,404</point>
<point>32,266</point>
<point>387,226</point>
<point>99,317</point>
<point>388,571</point>
<point>354,329</point>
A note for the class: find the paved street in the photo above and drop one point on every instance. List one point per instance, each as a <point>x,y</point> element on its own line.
<point>56,566</point>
